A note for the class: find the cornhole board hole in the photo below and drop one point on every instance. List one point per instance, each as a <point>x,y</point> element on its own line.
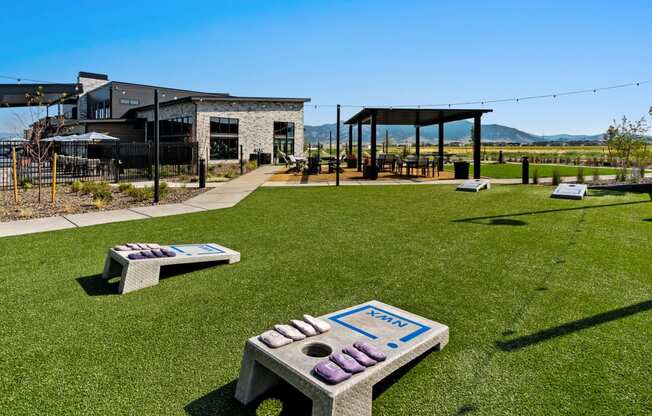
<point>570,191</point>
<point>139,274</point>
<point>474,185</point>
<point>401,335</point>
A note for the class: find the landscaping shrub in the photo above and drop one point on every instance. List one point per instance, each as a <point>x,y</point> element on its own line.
<point>103,194</point>
<point>100,203</point>
<point>124,186</point>
<point>596,175</point>
<point>535,176</point>
<point>580,175</point>
<point>26,184</point>
<point>141,194</point>
<point>556,177</point>
<point>76,186</point>
<point>91,188</point>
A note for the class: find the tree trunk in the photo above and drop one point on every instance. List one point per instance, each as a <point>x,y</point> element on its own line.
<point>39,181</point>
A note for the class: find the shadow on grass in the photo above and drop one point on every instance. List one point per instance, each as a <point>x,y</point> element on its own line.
<point>506,221</point>
<point>546,211</point>
<point>565,329</point>
<point>95,285</point>
<point>223,402</point>
<point>647,219</point>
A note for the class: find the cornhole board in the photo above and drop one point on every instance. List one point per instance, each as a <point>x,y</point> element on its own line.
<point>402,335</point>
<point>570,191</point>
<point>139,274</point>
<point>474,185</point>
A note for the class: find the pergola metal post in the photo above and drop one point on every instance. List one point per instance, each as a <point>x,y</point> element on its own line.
<point>156,148</point>
<point>417,134</point>
<point>337,149</point>
<point>440,150</point>
<point>359,146</point>
<point>477,132</point>
<point>330,143</point>
<point>350,151</point>
<point>373,167</point>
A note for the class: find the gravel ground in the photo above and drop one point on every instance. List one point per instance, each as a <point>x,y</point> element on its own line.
<point>72,203</point>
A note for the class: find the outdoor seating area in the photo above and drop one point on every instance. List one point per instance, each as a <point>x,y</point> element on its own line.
<point>320,174</point>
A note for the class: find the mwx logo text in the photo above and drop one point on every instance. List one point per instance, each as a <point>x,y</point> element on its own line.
<point>392,320</point>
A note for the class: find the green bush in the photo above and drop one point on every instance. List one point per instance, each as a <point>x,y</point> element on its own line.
<point>76,186</point>
<point>26,184</point>
<point>124,186</point>
<point>556,177</point>
<point>91,188</point>
<point>141,194</point>
<point>535,176</point>
<point>103,195</point>
<point>596,175</point>
<point>580,175</point>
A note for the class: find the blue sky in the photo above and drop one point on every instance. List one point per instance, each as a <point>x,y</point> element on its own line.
<point>362,52</point>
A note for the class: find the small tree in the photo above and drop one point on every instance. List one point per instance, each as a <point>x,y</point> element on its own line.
<point>37,149</point>
<point>627,145</point>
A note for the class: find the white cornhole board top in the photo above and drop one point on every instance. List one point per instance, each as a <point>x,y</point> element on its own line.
<point>141,273</point>
<point>570,191</point>
<point>401,335</point>
<point>474,185</point>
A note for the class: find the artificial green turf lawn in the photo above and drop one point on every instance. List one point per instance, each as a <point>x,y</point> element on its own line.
<point>514,170</point>
<point>548,302</point>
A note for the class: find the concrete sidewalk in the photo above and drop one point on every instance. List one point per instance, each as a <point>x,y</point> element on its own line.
<point>222,195</point>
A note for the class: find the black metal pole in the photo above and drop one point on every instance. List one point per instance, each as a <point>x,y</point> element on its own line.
<point>418,134</point>
<point>440,150</point>
<point>156,148</point>
<point>477,146</point>
<point>330,143</point>
<point>337,150</point>
<point>359,146</point>
<point>526,171</point>
<point>350,139</point>
<point>241,156</point>
<point>386,141</point>
<point>373,167</point>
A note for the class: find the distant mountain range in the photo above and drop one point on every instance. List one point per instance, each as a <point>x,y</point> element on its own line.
<point>7,135</point>
<point>455,131</point>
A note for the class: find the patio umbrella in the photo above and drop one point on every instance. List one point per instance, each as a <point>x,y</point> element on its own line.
<point>96,137</point>
<point>60,138</point>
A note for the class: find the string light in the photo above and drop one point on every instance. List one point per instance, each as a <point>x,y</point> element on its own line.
<point>500,100</point>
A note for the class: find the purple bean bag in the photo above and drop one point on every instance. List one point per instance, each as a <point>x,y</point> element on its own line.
<point>158,253</point>
<point>133,246</point>
<point>168,252</point>
<point>135,256</point>
<point>359,356</point>
<point>148,254</point>
<point>330,372</point>
<point>348,363</point>
<point>371,350</point>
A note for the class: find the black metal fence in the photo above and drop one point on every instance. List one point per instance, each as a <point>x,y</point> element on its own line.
<point>111,162</point>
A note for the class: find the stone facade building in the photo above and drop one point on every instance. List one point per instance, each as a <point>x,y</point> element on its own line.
<point>221,124</point>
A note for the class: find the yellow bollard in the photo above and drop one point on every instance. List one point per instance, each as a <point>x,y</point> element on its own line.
<point>15,174</point>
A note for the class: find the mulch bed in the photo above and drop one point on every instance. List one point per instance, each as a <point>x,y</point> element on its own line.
<point>73,203</point>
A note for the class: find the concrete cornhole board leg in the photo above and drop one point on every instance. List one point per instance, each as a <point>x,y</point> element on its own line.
<point>139,274</point>
<point>474,185</point>
<point>401,335</point>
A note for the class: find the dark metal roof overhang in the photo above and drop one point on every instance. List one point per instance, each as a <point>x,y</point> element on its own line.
<point>413,116</point>
<point>16,95</point>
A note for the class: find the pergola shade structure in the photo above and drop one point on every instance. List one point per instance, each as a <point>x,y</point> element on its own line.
<point>418,117</point>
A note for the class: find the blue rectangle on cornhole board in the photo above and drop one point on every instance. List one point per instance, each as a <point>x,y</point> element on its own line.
<point>365,321</point>
<point>196,249</point>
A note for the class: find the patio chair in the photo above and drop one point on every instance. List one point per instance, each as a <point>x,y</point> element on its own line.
<point>399,164</point>
<point>424,164</point>
<point>294,164</point>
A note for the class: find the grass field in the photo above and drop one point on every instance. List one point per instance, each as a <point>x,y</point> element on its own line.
<point>513,170</point>
<point>549,302</point>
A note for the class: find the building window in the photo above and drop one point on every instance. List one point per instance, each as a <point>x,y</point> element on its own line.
<point>224,138</point>
<point>283,138</point>
<point>129,101</point>
<point>173,130</point>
